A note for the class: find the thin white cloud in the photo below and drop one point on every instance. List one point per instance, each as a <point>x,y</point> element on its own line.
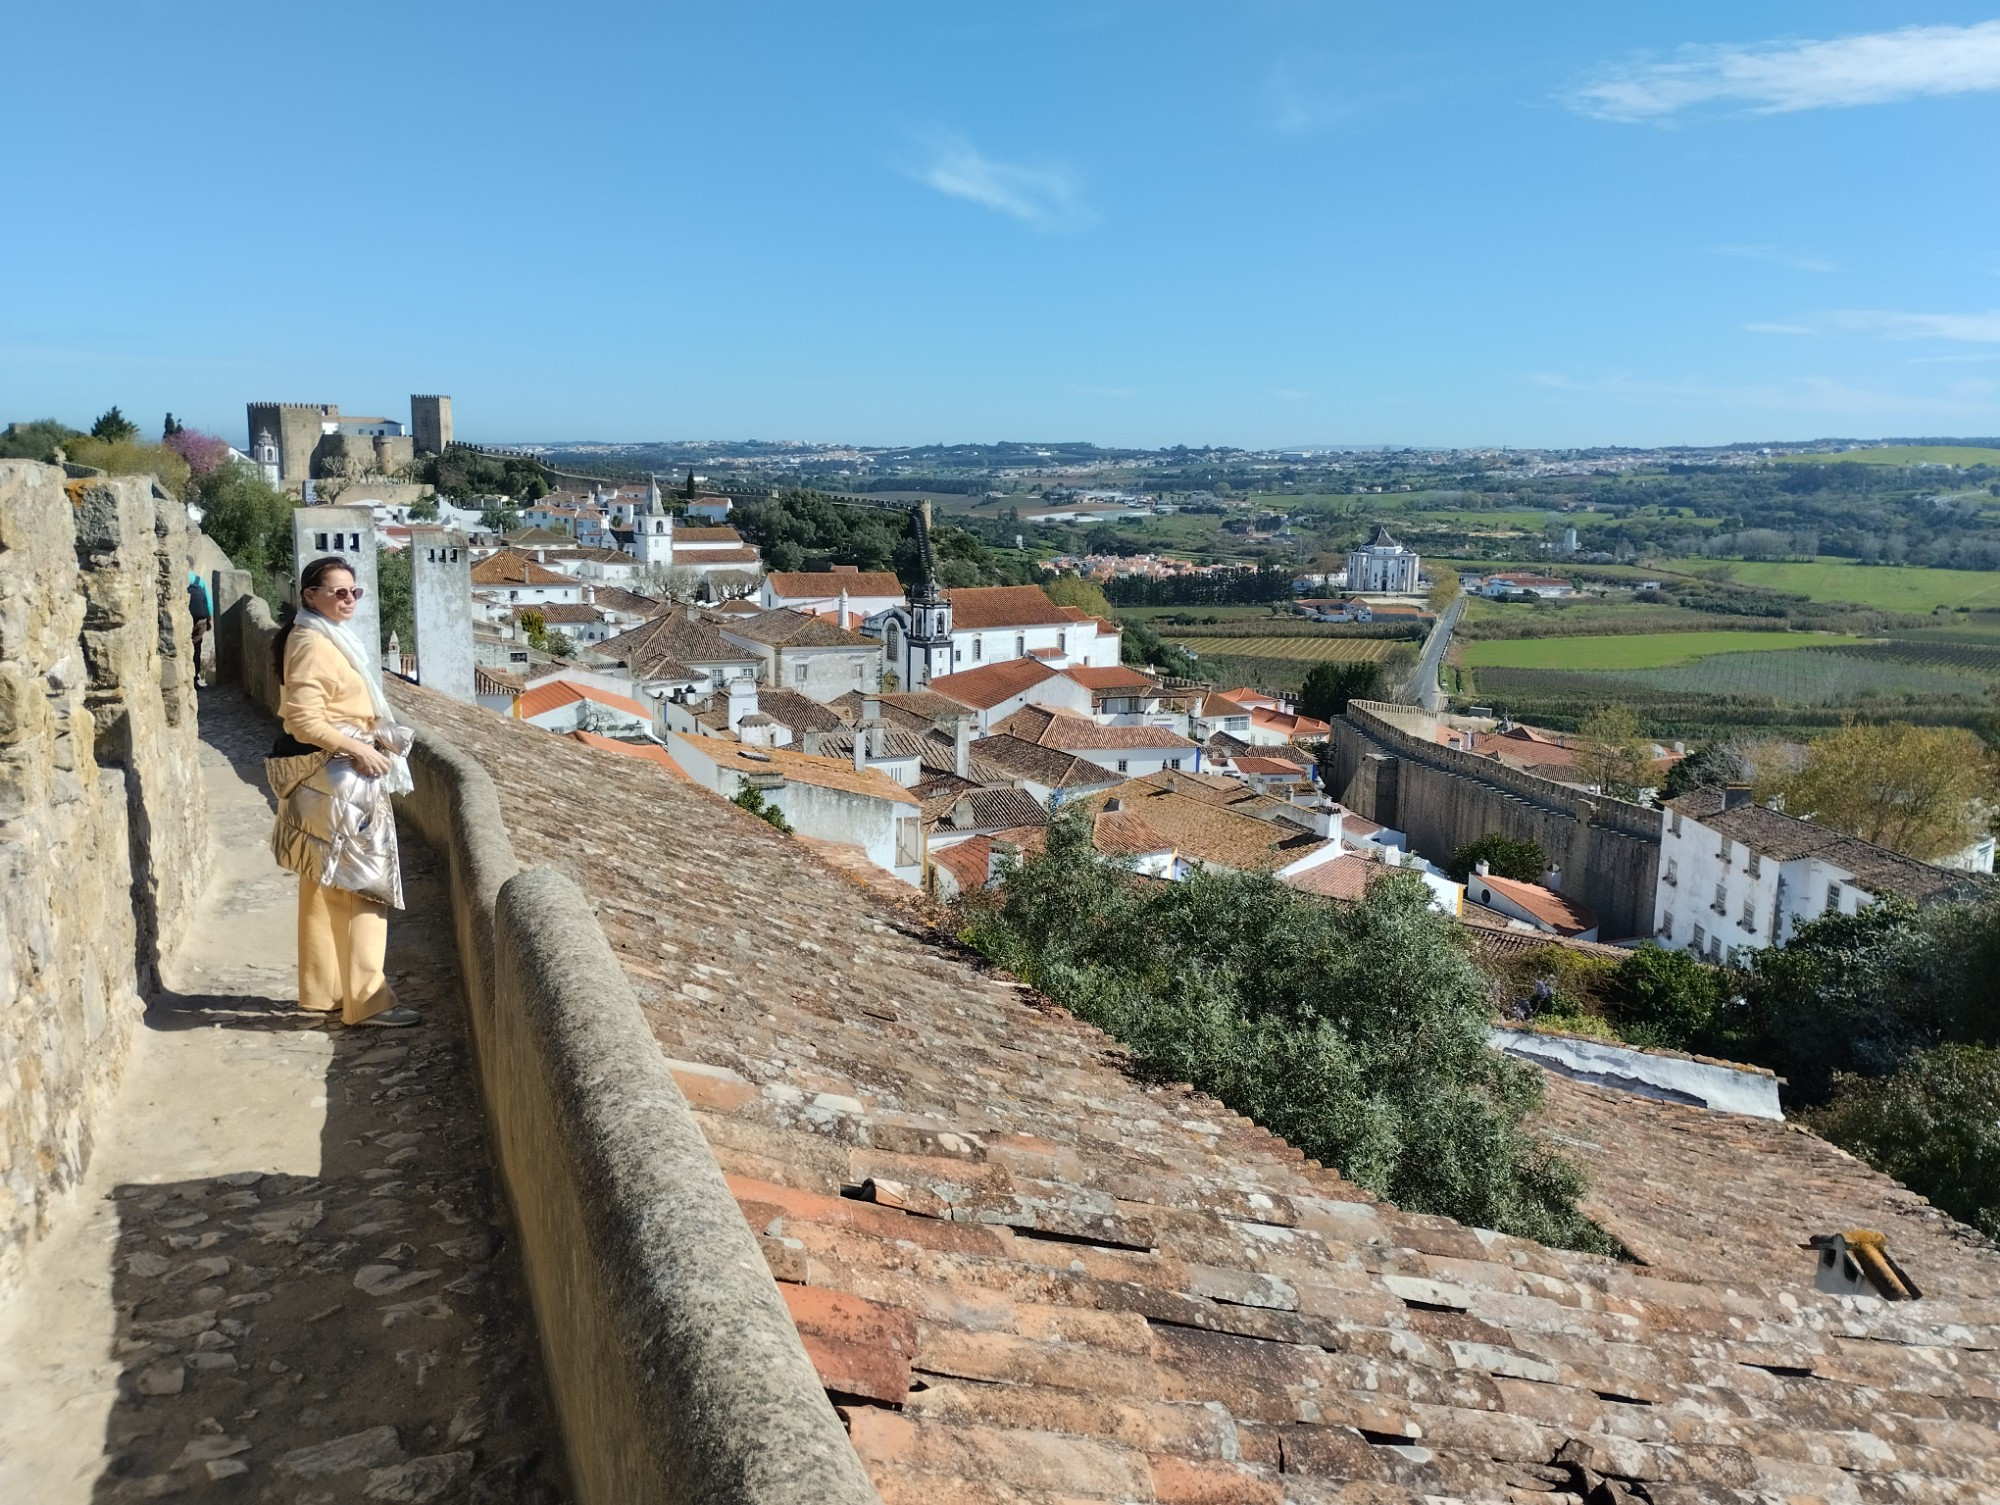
<point>1968,329</point>
<point>1974,329</point>
<point>1771,78</point>
<point>1797,261</point>
<point>1047,198</point>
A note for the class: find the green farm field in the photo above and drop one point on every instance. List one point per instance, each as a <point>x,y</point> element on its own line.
<point>1884,587</point>
<point>1655,650</point>
<point>1902,454</point>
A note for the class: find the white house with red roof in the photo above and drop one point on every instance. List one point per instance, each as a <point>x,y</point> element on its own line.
<point>562,705</point>
<point>1542,905</point>
<point>1134,751</point>
<point>974,626</point>
<point>1254,717</point>
<point>847,594</point>
<point>992,692</point>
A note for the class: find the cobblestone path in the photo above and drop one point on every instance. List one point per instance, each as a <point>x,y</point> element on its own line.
<point>287,1276</point>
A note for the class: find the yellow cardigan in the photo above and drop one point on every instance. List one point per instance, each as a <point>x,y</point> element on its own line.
<point>323,691</point>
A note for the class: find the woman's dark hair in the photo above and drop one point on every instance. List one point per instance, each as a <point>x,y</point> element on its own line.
<point>310,578</point>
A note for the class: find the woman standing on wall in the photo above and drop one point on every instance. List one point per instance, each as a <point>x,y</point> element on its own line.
<point>334,768</point>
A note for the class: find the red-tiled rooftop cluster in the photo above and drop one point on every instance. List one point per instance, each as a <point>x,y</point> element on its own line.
<point>1026,1276</point>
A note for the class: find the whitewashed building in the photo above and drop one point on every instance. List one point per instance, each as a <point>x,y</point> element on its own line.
<point>1382,566</point>
<point>1737,877</point>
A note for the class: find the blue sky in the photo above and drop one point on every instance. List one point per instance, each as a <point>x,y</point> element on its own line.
<point>1258,224</point>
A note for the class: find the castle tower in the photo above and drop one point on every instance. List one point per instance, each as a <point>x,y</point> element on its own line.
<point>297,428</point>
<point>653,529</point>
<point>430,423</point>
<point>928,652</point>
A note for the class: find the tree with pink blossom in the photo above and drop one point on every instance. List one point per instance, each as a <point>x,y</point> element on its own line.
<point>204,453</point>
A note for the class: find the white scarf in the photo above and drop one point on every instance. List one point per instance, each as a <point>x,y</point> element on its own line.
<point>342,636</point>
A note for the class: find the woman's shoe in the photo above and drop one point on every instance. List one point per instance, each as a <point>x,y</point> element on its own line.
<point>396,1017</point>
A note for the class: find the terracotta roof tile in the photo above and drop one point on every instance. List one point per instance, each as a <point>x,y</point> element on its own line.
<point>1047,766</point>
<point>795,629</point>
<point>1106,1288</point>
<point>811,585</point>
<point>557,693</point>
<point>1557,911</point>
<point>1112,677</point>
<point>804,768</point>
<point>678,636</point>
<point>1003,606</point>
<point>505,567</point>
<point>1070,731</point>
<point>990,684</point>
<point>1203,831</point>
<point>651,751</point>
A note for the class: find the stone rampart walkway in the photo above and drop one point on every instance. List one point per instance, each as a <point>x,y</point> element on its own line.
<point>285,1277</point>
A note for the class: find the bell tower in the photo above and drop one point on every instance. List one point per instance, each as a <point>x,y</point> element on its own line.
<point>928,651</point>
<point>653,529</point>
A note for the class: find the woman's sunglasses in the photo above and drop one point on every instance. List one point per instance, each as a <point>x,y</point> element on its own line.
<point>341,592</point>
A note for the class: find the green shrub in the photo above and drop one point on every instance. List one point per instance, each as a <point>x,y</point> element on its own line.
<point>1504,858</point>
<point>1358,1032</point>
<point>1666,998</point>
<point>1934,1126</point>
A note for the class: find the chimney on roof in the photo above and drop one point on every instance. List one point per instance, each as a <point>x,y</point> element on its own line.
<point>815,740</point>
<point>861,746</point>
<point>541,556</point>
<point>1326,822</point>
<point>1552,880</point>
<point>963,816</point>
<point>590,595</point>
<point>878,740</point>
<point>742,700</point>
<point>840,612</point>
<point>1857,1263</point>
<point>961,747</point>
<point>1735,795</point>
<point>1482,867</point>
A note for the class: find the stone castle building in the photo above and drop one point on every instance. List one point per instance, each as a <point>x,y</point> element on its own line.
<point>294,442</point>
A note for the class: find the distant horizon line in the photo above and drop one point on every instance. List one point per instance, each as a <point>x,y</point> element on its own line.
<point>1884,441</point>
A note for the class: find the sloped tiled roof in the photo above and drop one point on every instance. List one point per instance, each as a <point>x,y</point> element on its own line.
<point>1210,833</point>
<point>1557,911</point>
<point>813,584</point>
<point>1786,838</point>
<point>505,567</point>
<point>805,768</point>
<point>990,684</point>
<point>944,798</point>
<point>1047,766</point>
<point>795,629</point>
<point>487,681</point>
<point>677,636</point>
<point>1029,1277</point>
<point>1113,677</point>
<point>561,613</point>
<point>786,707</point>
<point>651,751</point>
<point>561,692</point>
<point>1072,731</point>
<point>917,710</point>
<point>1003,606</point>
<point>706,536</point>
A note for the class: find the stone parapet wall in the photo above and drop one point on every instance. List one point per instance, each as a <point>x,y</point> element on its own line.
<point>1442,798</point>
<point>103,818</point>
<point>677,1372</point>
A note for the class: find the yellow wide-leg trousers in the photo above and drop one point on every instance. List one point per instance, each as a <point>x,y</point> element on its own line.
<point>342,941</point>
